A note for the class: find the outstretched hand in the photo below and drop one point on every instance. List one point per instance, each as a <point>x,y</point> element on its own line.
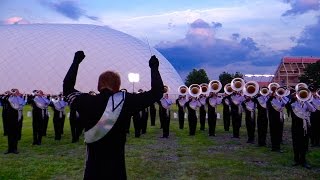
<point>78,57</point>
<point>153,62</point>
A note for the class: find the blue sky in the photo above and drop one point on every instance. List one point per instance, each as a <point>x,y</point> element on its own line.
<point>249,36</point>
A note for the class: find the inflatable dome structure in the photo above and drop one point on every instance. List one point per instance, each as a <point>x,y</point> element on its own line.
<point>38,56</point>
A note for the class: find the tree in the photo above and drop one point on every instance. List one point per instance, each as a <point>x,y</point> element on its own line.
<point>225,78</point>
<point>311,74</point>
<point>197,77</point>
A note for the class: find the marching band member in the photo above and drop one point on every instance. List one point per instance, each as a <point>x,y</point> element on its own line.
<point>275,114</point>
<point>213,100</point>
<point>236,112</point>
<point>165,105</point>
<point>192,106</point>
<point>58,106</point>
<point>300,121</point>
<point>249,107</point>
<point>39,114</point>
<point>137,123</point>
<point>262,119</point>
<point>5,105</point>
<point>180,102</point>
<point>314,118</point>
<point>202,111</point>
<point>144,114</point>
<point>153,114</point>
<point>14,114</point>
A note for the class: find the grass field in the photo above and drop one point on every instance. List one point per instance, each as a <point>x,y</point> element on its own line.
<point>150,157</point>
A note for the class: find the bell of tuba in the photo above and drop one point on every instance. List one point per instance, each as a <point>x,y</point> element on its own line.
<point>215,86</point>
<point>228,89</point>
<point>300,85</point>
<point>303,94</point>
<point>204,88</point>
<point>251,88</point>
<point>273,87</point>
<point>237,84</point>
<point>264,91</point>
<point>194,90</point>
<point>281,91</point>
<point>183,90</point>
<point>165,89</point>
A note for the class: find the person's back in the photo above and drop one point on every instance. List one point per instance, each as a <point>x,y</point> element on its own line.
<point>105,117</point>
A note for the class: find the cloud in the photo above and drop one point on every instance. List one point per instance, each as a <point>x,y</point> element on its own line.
<point>15,20</point>
<point>301,6</point>
<point>68,8</point>
<point>308,44</point>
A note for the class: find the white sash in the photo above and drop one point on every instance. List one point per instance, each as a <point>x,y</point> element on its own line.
<point>182,102</point>
<point>262,101</point>
<point>17,103</point>
<point>107,120</point>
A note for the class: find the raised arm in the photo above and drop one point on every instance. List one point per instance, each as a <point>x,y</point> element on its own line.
<point>71,76</point>
<point>142,100</point>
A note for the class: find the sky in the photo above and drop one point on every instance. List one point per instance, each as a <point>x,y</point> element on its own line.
<point>247,36</point>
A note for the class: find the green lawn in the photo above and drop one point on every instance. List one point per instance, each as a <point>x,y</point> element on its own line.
<point>150,157</point>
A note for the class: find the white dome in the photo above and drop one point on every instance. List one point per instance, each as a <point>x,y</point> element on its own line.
<point>38,56</point>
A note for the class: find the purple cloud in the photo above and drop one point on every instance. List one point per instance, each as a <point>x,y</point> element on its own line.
<point>68,8</point>
<point>301,6</point>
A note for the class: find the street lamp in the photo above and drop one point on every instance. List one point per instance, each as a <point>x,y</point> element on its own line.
<point>133,78</point>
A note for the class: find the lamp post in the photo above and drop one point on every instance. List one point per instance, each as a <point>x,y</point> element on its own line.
<point>133,78</point>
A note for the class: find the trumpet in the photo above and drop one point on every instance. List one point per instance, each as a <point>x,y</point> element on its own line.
<point>251,88</point>
<point>273,87</point>
<point>204,88</point>
<point>300,85</point>
<point>165,89</point>
<point>237,84</point>
<point>194,90</point>
<point>264,91</point>
<point>281,92</point>
<point>215,86</point>
<point>228,89</point>
<point>183,90</point>
<point>303,94</point>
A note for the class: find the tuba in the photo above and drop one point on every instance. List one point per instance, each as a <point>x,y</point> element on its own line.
<point>204,88</point>
<point>264,91</point>
<point>215,86</point>
<point>183,90</point>
<point>281,92</point>
<point>194,90</point>
<point>227,89</point>
<point>273,87</point>
<point>303,94</point>
<point>237,84</point>
<point>300,85</point>
<point>251,88</point>
<point>165,89</point>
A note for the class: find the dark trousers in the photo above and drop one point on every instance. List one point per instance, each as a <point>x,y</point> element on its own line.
<point>13,131</point>
<point>202,117</point>
<point>37,126</point>
<point>192,119</point>
<point>250,125</point>
<point>181,118</point>
<point>275,132</point>
<point>166,123</point>
<point>74,126</point>
<point>160,116</point>
<point>58,126</point>
<point>212,120</point>
<point>226,119</point>
<point>45,125</point>
<point>144,122</point>
<point>137,126</point>
<point>153,115</point>
<point>4,122</point>
<point>236,124</point>
<point>299,140</point>
<point>262,123</point>
<point>20,123</point>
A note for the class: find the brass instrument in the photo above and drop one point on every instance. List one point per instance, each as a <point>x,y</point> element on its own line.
<point>215,86</point>
<point>237,84</point>
<point>264,91</point>
<point>228,89</point>
<point>251,88</point>
<point>165,89</point>
<point>204,88</point>
<point>183,90</point>
<point>194,90</point>
<point>281,92</point>
<point>273,87</point>
<point>303,94</point>
<point>300,85</point>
